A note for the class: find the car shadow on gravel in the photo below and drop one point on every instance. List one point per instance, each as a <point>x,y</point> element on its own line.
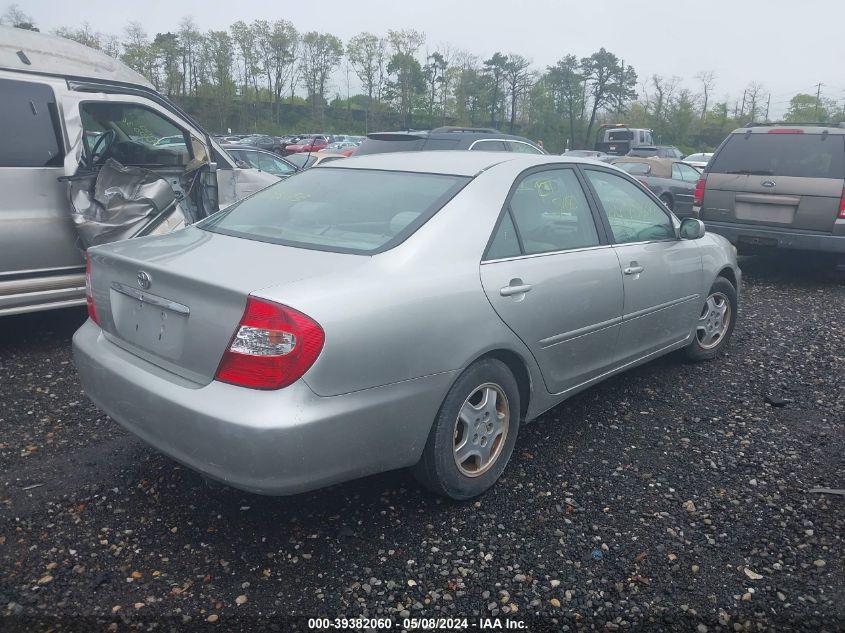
<point>23,330</point>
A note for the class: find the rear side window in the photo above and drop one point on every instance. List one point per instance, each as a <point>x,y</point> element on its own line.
<point>551,212</point>
<point>30,124</point>
<point>341,210</point>
<point>489,146</point>
<point>800,155</point>
<point>523,148</point>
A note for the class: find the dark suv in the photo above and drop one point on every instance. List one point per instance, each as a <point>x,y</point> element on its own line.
<point>778,185</point>
<point>446,138</point>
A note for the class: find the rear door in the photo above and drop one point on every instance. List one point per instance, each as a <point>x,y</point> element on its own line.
<point>552,278</point>
<point>778,178</point>
<point>661,273</point>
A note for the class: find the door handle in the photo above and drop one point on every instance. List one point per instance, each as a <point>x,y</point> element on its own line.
<point>518,289</point>
<point>633,270</point>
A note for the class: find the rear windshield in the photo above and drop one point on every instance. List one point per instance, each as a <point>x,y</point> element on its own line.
<point>634,168</point>
<point>801,155</point>
<point>377,146</point>
<point>620,135</point>
<point>342,210</point>
<point>643,151</point>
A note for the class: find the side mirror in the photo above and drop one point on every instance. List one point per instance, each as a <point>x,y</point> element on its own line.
<point>691,229</point>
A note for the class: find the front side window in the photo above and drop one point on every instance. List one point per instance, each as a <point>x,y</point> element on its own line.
<point>30,124</point>
<point>633,216</point>
<point>273,165</point>
<point>140,136</point>
<point>551,212</point>
<point>341,210</point>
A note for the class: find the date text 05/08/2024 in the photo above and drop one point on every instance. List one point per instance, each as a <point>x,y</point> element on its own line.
<point>416,624</point>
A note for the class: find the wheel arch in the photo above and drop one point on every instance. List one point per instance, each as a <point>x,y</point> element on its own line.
<point>728,273</point>
<point>519,368</point>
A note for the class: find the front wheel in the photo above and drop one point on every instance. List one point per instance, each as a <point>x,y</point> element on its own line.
<point>715,323</point>
<point>473,434</point>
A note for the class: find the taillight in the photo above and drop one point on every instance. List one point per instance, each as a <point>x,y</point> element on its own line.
<point>89,292</point>
<point>841,214</point>
<point>698,193</point>
<point>785,130</point>
<point>272,348</point>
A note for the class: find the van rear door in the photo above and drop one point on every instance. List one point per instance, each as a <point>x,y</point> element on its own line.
<point>780,177</point>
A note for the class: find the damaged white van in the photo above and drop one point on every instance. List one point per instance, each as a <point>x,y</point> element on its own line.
<point>91,153</point>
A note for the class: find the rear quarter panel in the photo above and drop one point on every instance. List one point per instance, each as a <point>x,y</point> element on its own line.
<point>416,310</point>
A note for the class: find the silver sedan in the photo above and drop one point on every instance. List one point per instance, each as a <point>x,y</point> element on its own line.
<point>395,310</point>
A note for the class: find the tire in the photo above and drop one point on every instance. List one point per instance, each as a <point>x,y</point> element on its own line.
<point>667,200</point>
<point>716,323</point>
<point>440,468</point>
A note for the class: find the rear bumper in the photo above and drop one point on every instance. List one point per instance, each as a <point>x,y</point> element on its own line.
<point>753,235</point>
<point>268,442</point>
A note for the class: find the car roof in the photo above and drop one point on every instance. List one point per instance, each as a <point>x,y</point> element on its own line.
<point>812,128</point>
<point>455,163</point>
<point>33,52</point>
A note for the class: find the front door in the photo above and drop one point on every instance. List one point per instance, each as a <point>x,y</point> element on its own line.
<point>661,273</point>
<point>553,280</point>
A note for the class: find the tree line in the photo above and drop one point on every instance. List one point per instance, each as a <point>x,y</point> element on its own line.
<point>268,76</point>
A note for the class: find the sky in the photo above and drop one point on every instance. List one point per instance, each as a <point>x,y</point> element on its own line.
<point>785,46</point>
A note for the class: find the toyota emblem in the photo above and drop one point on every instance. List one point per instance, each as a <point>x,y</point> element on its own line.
<point>144,280</point>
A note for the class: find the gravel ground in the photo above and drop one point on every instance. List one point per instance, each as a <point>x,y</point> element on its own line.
<point>674,497</point>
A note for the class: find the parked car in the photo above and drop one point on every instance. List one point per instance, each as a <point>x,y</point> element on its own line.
<point>446,138</point>
<point>395,310</point>
<point>338,146</point>
<point>262,141</point>
<point>310,143</point>
<point>670,180</point>
<point>306,161</point>
<point>699,161</point>
<point>658,151</point>
<point>261,160</point>
<point>80,165</point>
<point>778,186</point>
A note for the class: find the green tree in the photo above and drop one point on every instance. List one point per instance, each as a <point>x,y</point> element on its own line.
<point>406,78</point>
<point>367,53</point>
<point>494,71</point>
<point>321,54</point>
<point>566,87</point>
<point>84,35</point>
<point>608,83</point>
<point>517,80</point>
<point>805,108</point>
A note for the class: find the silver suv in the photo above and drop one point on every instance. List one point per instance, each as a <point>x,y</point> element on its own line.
<point>778,185</point>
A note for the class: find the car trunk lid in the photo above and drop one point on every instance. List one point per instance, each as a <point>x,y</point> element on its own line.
<point>177,300</point>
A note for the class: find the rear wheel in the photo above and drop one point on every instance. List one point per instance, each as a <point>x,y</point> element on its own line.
<point>715,323</point>
<point>473,434</point>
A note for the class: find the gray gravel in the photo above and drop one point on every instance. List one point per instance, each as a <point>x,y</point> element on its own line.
<point>674,497</point>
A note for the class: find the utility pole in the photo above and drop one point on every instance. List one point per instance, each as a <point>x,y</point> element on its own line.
<point>742,109</point>
<point>818,99</point>
<point>768,103</point>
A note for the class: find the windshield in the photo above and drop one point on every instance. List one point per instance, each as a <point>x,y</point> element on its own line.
<point>801,155</point>
<point>341,210</point>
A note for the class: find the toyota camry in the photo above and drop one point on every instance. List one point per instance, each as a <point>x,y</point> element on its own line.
<point>395,310</point>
